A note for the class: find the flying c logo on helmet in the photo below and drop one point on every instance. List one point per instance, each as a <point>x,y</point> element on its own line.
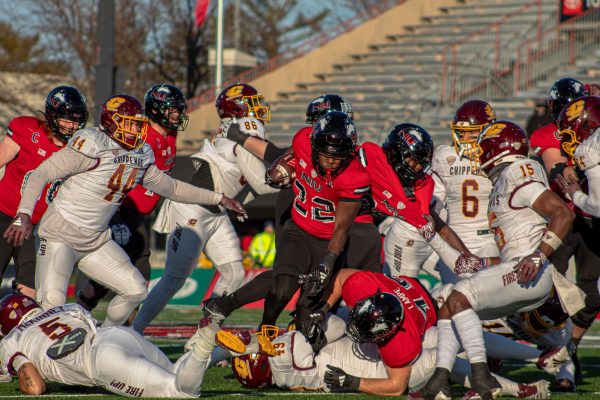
<point>494,130</point>
<point>114,103</point>
<point>234,91</point>
<point>489,112</point>
<point>575,110</point>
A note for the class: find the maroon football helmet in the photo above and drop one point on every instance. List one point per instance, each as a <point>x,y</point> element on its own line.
<point>241,100</point>
<point>469,121</point>
<point>578,120</point>
<point>14,309</point>
<point>252,370</point>
<point>501,142</point>
<point>548,316</point>
<point>122,118</point>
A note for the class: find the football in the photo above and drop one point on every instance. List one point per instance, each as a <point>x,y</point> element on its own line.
<point>282,172</point>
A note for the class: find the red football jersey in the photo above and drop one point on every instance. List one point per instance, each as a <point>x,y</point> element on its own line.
<point>316,201</point>
<point>546,137</point>
<point>419,312</point>
<point>164,149</point>
<point>35,147</point>
<point>387,191</point>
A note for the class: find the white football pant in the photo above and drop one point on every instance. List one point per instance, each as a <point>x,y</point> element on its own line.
<point>108,265</point>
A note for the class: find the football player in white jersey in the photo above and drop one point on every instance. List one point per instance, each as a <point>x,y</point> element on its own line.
<point>458,186</point>
<point>580,126</point>
<point>529,223</point>
<point>225,167</point>
<point>298,365</point>
<point>62,344</point>
<point>99,166</point>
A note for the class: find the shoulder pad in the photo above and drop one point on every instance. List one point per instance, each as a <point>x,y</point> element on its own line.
<point>252,127</point>
<point>587,154</point>
<point>526,170</point>
<point>87,141</point>
<point>20,128</point>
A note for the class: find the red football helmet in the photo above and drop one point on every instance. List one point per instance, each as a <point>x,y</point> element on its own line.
<point>578,120</point>
<point>252,370</point>
<point>122,118</point>
<point>469,121</point>
<point>501,142</point>
<point>14,309</point>
<point>241,100</point>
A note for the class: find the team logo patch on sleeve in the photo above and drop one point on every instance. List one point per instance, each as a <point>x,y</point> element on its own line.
<point>67,344</point>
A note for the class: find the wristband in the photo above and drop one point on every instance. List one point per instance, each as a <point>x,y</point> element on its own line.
<point>552,240</point>
<point>355,383</point>
<point>235,134</point>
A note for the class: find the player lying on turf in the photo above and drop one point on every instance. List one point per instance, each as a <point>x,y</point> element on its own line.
<point>341,363</point>
<point>63,345</point>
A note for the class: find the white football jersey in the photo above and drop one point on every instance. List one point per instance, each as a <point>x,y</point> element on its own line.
<point>34,337</point>
<point>90,199</point>
<point>221,153</point>
<point>517,228</point>
<point>465,195</point>
<point>295,366</point>
<point>587,154</point>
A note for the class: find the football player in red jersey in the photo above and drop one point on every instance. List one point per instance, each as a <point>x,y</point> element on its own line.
<point>165,107</point>
<point>28,142</point>
<point>580,242</point>
<point>393,313</point>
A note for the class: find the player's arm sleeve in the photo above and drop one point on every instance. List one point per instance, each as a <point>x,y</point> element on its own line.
<point>273,152</point>
<point>526,194</point>
<point>336,328</point>
<point>253,171</point>
<point>59,165</point>
<point>302,352</point>
<point>590,203</point>
<point>161,183</point>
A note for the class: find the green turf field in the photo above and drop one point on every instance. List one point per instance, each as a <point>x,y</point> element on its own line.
<point>220,382</point>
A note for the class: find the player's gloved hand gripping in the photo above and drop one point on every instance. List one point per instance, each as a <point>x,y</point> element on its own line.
<point>313,327</point>
<point>314,282</point>
<point>427,231</point>
<point>235,206</point>
<point>337,380</point>
<point>527,269</point>
<point>19,230</point>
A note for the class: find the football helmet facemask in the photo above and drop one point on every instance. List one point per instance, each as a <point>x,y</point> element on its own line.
<point>161,101</point>
<point>375,319</point>
<point>123,120</point>
<point>578,120</point>
<point>16,309</point>
<point>242,100</point>
<point>501,142</point>
<point>66,103</point>
<point>327,103</point>
<point>469,121</point>
<point>409,150</point>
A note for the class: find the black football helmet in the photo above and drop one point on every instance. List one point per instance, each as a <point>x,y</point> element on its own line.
<point>160,100</point>
<point>65,102</point>
<point>375,319</point>
<point>409,141</point>
<point>333,135</point>
<point>562,92</point>
<point>327,103</point>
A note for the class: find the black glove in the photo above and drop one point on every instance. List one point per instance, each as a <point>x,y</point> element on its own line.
<point>314,283</point>
<point>313,328</point>
<point>337,380</point>
<point>235,134</point>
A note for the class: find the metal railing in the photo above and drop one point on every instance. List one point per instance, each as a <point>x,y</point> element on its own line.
<point>299,50</point>
<point>557,47</point>
<point>479,63</point>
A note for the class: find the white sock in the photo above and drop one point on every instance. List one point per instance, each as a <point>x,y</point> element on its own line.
<point>469,329</point>
<point>502,347</point>
<point>447,345</point>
